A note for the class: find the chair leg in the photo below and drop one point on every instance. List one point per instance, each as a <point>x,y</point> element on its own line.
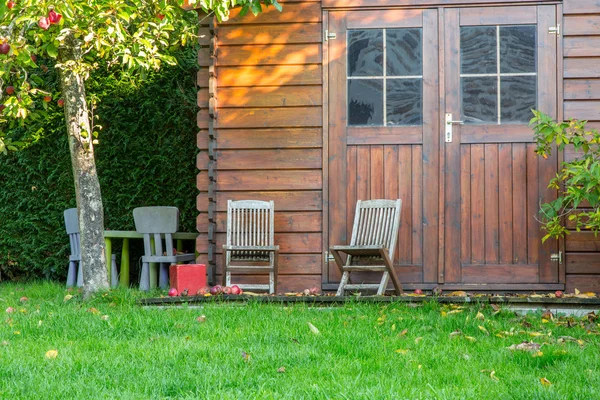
<point>390,266</point>
<point>79,275</point>
<point>274,275</point>
<point>145,278</point>
<point>343,282</point>
<point>163,276</point>
<point>384,281</point>
<point>114,275</point>
<point>71,279</point>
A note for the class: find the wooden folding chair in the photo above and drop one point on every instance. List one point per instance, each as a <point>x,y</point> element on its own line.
<point>372,245</point>
<point>250,242</point>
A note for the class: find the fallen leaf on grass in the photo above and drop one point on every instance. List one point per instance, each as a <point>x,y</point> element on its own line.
<point>403,333</point>
<point>455,333</point>
<point>525,346</point>
<point>201,318</point>
<point>402,351</point>
<point>492,374</point>
<point>313,328</point>
<point>68,297</point>
<point>51,354</point>
<point>548,316</point>
<point>5,343</point>
<point>104,318</point>
<point>470,338</point>
<point>417,340</point>
<point>455,311</point>
<point>10,310</point>
<point>562,339</point>
<point>545,382</point>
<point>537,354</point>
<point>281,370</point>
<point>591,316</point>
<point>496,308</point>
<point>482,329</point>
<point>480,316</point>
<point>93,310</point>
<point>295,340</point>
<point>245,356</point>
<point>458,293</point>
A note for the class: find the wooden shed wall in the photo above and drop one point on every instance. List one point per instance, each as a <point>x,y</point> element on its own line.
<point>269,134</point>
<point>581,47</point>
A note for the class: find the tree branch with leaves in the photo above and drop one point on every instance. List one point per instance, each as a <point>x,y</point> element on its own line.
<point>74,36</point>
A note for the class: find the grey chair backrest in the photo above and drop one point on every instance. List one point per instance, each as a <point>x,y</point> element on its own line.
<point>250,223</point>
<point>72,227</point>
<point>156,221</point>
<point>376,223</point>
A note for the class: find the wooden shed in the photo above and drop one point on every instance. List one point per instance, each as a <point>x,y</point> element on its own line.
<point>332,101</point>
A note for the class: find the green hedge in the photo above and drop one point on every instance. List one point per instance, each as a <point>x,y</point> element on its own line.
<point>146,156</point>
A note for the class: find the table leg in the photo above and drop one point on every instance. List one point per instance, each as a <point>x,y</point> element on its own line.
<point>179,246</point>
<point>124,280</point>
<point>108,254</point>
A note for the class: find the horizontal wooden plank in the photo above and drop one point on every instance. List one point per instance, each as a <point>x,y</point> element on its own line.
<point>588,110</point>
<point>581,7</point>
<point>500,273</point>
<point>583,283</point>
<point>582,89</point>
<point>274,54</point>
<point>270,117</point>
<point>270,138</point>
<point>202,181</point>
<point>497,16</point>
<point>289,243</point>
<point>269,159</point>
<point>582,67</point>
<point>385,135</point>
<point>385,19</point>
<point>583,241</point>
<point>508,133</point>
<point>292,13</point>
<point>296,264</point>
<point>270,96</point>
<point>202,139</point>
<point>202,119</point>
<point>269,180</point>
<point>284,201</point>
<point>269,34</point>
<point>285,221</point>
<point>581,46</point>
<point>280,75</point>
<point>582,263</point>
<point>582,24</point>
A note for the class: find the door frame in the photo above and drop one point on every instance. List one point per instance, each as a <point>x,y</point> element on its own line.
<point>326,284</point>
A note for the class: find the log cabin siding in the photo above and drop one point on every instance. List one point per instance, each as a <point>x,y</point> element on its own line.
<point>581,51</point>
<point>269,135</point>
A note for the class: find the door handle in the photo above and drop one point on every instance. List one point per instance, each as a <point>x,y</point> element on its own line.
<point>448,125</point>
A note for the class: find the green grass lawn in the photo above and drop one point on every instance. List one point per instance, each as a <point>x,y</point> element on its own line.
<point>111,348</point>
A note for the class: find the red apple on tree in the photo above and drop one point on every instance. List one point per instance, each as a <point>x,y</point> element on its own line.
<point>33,57</point>
<point>10,5</point>
<point>47,99</point>
<point>2,107</point>
<point>60,102</point>
<point>4,48</point>
<point>10,89</point>
<point>160,16</point>
<point>54,17</point>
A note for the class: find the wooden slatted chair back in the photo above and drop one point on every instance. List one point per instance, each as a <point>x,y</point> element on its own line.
<point>154,221</point>
<point>250,223</point>
<point>376,223</point>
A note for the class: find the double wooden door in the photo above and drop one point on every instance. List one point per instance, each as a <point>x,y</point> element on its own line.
<point>432,106</point>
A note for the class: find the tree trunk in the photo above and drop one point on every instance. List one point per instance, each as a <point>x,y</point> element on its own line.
<point>87,186</point>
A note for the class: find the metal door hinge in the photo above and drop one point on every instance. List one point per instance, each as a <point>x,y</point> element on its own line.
<point>555,29</point>
<point>556,257</point>
<point>329,257</point>
<point>329,35</point>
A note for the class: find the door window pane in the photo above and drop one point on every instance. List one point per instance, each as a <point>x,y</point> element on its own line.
<point>365,53</point>
<point>498,74</point>
<point>404,101</point>
<point>518,94</point>
<point>517,49</point>
<point>392,95</point>
<point>365,102</point>
<point>404,52</point>
<point>479,100</point>
<point>478,49</point>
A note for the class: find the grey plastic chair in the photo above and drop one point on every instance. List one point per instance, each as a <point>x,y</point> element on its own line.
<point>157,224</point>
<point>75,273</point>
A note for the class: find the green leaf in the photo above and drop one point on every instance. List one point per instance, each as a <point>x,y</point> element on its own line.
<point>52,50</point>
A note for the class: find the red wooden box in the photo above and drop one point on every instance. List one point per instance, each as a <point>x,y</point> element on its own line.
<point>188,276</point>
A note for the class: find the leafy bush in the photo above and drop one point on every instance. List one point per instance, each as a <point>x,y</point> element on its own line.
<point>146,156</point>
<point>577,181</point>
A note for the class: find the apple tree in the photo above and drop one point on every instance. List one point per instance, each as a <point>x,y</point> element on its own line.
<point>75,36</point>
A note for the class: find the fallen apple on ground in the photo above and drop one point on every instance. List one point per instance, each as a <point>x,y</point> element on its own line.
<point>172,292</point>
